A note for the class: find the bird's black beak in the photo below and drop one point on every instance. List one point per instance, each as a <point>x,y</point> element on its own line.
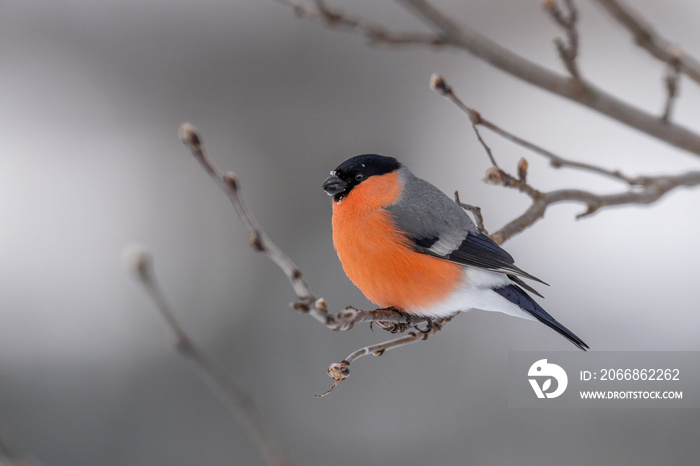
<point>334,185</point>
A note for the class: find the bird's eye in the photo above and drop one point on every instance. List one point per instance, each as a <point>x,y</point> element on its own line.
<point>360,177</point>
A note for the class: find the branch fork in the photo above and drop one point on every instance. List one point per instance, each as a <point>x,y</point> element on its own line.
<point>568,51</point>
<point>640,189</point>
<point>341,370</point>
<point>374,33</point>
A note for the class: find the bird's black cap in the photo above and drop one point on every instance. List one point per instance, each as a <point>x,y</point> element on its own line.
<point>355,170</point>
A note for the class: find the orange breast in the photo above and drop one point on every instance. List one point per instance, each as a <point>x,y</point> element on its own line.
<point>376,255</point>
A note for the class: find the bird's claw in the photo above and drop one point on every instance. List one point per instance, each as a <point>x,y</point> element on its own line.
<point>428,328</point>
<point>392,327</point>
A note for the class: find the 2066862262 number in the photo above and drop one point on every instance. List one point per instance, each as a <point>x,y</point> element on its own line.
<point>640,374</point>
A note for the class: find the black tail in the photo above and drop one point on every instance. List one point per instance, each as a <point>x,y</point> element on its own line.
<point>516,295</point>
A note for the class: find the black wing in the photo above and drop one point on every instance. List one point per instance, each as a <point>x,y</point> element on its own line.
<point>478,250</point>
<point>437,226</point>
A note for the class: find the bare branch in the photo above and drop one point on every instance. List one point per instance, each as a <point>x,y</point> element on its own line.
<point>567,51</point>
<point>646,37</point>
<point>554,159</point>
<point>390,319</point>
<point>438,84</point>
<point>140,263</point>
<point>307,302</point>
<point>650,193</point>
<point>259,241</point>
<point>671,82</point>
<point>340,371</point>
<point>467,39</point>
<point>652,187</point>
<point>474,210</point>
<point>375,34</point>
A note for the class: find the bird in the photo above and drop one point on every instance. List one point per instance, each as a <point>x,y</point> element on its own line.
<point>409,247</point>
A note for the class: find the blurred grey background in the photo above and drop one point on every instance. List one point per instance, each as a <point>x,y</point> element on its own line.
<point>91,96</point>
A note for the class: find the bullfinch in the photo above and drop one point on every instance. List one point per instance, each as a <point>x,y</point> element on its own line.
<point>408,246</point>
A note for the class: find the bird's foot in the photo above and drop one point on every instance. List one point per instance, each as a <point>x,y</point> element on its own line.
<point>429,326</point>
<point>397,327</point>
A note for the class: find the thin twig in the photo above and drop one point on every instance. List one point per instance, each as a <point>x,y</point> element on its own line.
<point>392,320</point>
<point>375,34</point>
<point>650,193</point>
<point>462,37</point>
<point>475,210</point>
<point>340,371</point>
<point>652,187</point>
<point>585,93</point>
<point>439,85</point>
<point>671,84</point>
<point>494,175</point>
<point>554,159</point>
<point>140,263</point>
<point>646,37</point>
<point>307,302</point>
<point>568,52</point>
